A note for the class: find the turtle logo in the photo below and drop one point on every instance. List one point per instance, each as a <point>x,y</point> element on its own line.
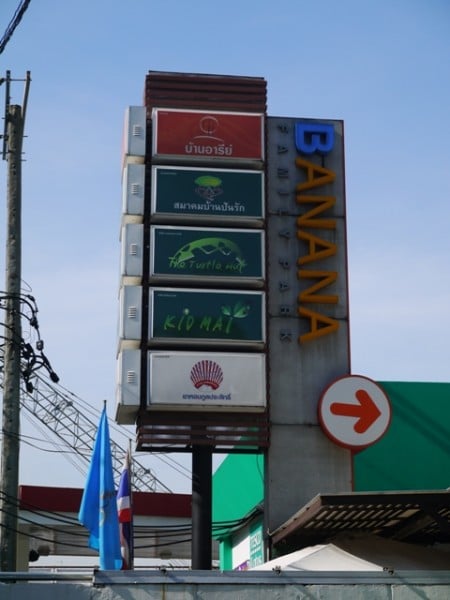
<point>205,248</point>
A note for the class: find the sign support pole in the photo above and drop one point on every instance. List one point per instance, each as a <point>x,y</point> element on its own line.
<point>201,507</point>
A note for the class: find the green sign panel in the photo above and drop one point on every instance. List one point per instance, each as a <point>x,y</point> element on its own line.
<point>256,545</point>
<point>203,316</point>
<point>414,453</point>
<point>196,253</point>
<point>207,192</point>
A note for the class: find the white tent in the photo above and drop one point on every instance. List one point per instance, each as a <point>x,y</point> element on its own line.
<point>323,557</point>
<point>361,553</point>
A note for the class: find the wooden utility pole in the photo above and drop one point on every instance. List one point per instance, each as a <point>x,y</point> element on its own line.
<point>9,476</point>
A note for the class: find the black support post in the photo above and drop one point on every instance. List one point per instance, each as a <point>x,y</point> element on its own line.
<point>202,507</point>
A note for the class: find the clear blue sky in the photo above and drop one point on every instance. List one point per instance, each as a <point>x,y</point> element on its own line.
<point>382,67</point>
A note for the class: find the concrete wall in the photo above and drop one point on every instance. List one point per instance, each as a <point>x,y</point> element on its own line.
<point>249,585</point>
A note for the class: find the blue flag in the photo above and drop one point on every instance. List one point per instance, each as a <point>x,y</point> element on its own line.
<point>98,510</point>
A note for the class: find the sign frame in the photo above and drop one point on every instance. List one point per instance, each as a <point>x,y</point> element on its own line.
<point>193,135</point>
<point>208,256</point>
<point>190,392</point>
<point>210,195</point>
<point>241,304</point>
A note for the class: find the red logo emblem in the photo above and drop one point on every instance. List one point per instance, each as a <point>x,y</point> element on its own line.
<point>206,372</point>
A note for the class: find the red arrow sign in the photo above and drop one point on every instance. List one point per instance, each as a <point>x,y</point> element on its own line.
<point>366,411</point>
<point>361,399</point>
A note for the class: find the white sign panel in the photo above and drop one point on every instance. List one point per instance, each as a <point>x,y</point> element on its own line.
<point>354,412</point>
<point>196,380</point>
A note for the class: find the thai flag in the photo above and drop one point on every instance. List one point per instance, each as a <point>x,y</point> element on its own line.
<point>125,514</point>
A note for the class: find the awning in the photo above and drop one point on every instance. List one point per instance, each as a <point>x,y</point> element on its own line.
<point>416,517</point>
<point>361,553</point>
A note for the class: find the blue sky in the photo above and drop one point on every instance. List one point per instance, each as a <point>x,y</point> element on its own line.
<point>382,67</point>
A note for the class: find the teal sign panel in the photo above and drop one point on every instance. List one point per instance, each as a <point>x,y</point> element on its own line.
<point>202,254</point>
<point>183,191</point>
<point>206,317</point>
<point>414,453</point>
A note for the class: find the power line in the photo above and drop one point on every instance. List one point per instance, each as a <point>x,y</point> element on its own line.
<point>54,407</point>
<point>17,17</point>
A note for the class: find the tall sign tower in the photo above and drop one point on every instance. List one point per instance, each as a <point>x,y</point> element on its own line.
<point>192,334</point>
<point>233,295</point>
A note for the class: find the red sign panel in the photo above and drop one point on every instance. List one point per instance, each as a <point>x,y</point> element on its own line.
<point>208,135</point>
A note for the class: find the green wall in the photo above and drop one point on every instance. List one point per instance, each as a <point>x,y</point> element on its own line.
<point>238,486</point>
<point>414,453</point>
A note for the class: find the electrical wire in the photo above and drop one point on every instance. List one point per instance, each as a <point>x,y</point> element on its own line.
<point>17,17</point>
<point>31,363</point>
<point>86,409</point>
<point>163,533</point>
<point>168,530</point>
<point>33,377</point>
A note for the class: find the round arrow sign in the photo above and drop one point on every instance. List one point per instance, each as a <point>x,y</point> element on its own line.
<point>354,412</point>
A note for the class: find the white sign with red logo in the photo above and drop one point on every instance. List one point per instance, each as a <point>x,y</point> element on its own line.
<point>354,412</point>
<point>193,380</point>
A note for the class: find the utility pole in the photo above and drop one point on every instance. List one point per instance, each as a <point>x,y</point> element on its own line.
<point>9,477</point>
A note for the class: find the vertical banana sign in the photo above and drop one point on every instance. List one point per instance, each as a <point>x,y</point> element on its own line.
<point>308,327</point>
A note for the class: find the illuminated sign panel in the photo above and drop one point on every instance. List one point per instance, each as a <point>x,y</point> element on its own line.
<point>196,380</point>
<point>195,134</point>
<point>207,193</point>
<point>306,189</point>
<point>208,317</point>
<point>317,248</point>
<point>199,254</point>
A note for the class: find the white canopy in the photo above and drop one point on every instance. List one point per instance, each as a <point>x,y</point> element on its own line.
<point>361,553</point>
<point>323,557</point>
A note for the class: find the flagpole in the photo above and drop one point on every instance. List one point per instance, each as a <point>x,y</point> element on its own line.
<point>132,508</point>
<point>125,514</point>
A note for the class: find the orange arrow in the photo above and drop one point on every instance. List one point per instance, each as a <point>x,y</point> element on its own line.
<point>366,411</point>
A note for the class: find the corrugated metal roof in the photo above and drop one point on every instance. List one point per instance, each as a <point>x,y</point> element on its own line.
<point>212,92</point>
<point>416,517</point>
